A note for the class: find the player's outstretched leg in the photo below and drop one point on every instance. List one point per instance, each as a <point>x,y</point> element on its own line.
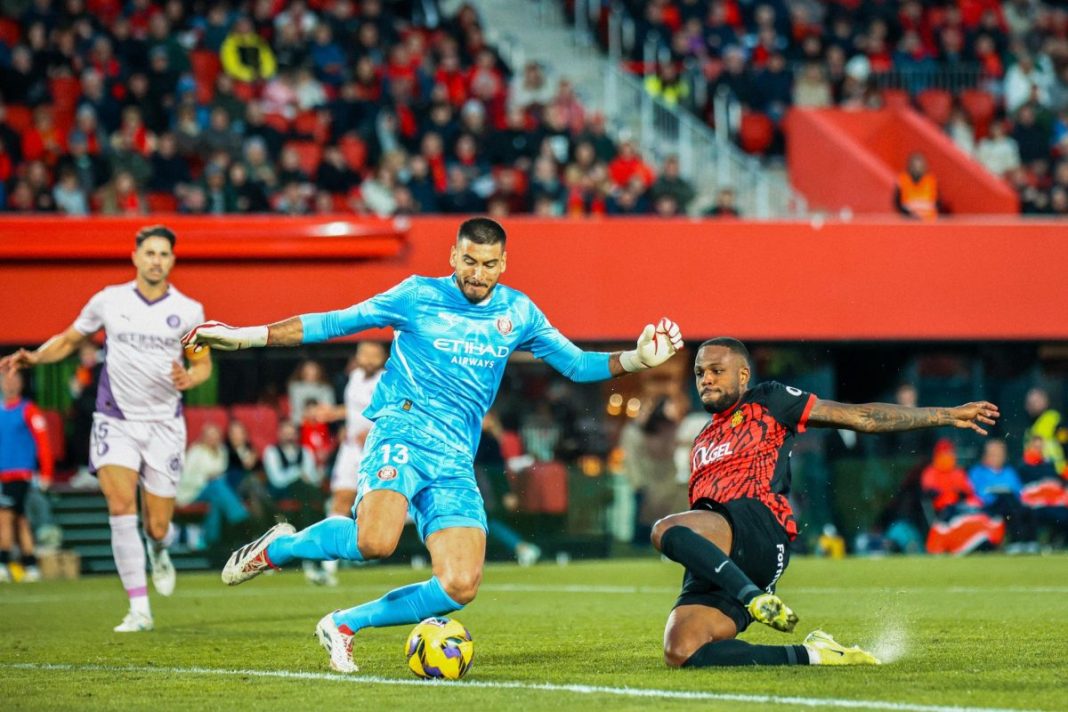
<point>338,644</point>
<point>704,559</point>
<point>164,576</point>
<point>129,552</point>
<point>251,559</point>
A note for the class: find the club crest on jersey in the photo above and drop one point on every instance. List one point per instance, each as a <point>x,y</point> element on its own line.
<point>173,321</point>
<point>387,473</point>
<point>737,418</point>
<point>504,325</point>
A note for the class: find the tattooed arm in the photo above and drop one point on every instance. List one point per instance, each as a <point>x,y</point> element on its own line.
<point>886,418</point>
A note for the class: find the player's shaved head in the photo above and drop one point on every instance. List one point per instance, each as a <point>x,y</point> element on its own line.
<point>731,344</point>
<point>155,231</point>
<point>482,231</point>
<point>722,370</point>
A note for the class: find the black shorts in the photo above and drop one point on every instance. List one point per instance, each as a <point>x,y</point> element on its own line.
<point>759,546</point>
<point>13,496</point>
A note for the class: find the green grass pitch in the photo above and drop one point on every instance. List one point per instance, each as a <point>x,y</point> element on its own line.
<point>986,631</point>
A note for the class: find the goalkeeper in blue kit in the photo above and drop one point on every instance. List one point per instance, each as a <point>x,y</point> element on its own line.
<point>452,339</point>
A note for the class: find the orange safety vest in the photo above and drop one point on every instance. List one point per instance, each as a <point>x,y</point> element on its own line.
<point>919,197</point>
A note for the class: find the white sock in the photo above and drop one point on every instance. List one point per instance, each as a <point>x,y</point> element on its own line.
<point>129,552</point>
<point>330,567</point>
<point>813,656</point>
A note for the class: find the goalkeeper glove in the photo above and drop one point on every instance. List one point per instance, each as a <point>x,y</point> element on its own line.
<point>655,346</point>
<point>225,337</point>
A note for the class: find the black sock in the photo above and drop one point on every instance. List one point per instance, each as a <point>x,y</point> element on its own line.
<point>29,560</point>
<point>706,560</point>
<point>5,557</point>
<point>724,653</point>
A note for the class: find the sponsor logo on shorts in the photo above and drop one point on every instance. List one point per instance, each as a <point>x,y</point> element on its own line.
<point>387,473</point>
<point>173,321</point>
<point>504,325</point>
<point>175,464</point>
<point>779,565</point>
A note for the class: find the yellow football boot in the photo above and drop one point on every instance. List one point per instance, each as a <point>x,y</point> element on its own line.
<point>767,608</point>
<point>830,652</point>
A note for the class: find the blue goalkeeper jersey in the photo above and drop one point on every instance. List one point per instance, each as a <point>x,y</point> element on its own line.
<point>449,355</point>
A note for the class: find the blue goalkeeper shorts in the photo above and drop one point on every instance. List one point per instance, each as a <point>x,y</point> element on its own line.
<point>438,481</point>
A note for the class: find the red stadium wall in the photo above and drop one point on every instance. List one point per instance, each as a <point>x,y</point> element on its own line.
<point>600,279</point>
<point>850,159</point>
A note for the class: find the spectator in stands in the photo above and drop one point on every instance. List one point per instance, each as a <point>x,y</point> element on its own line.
<point>669,183</point>
<point>665,83</point>
<point>292,474</point>
<point>530,90</point>
<point>121,196</point>
<point>68,195</point>
<point>169,170</point>
<point>204,480</point>
<point>377,192</point>
<point>631,199</point>
<point>772,87</point>
<point>38,182</point>
<point>43,141</point>
<point>219,196</point>
<point>998,152</point>
<point>726,205</point>
<point>1029,80</point>
<point>1046,423</point>
<point>916,192</point>
<point>220,136</point>
<point>421,185</point>
<point>23,83</point>
<point>997,486</point>
<point>309,90</point>
<point>459,198</point>
<point>308,382</point>
<point>260,169</point>
<point>1032,137</point>
<point>280,94</point>
<point>811,89</point>
<point>961,131</point>
<point>628,165</point>
<point>245,55</point>
<point>595,133</point>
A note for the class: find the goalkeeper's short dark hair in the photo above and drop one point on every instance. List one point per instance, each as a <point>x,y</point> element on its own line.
<point>482,231</point>
<point>155,231</point>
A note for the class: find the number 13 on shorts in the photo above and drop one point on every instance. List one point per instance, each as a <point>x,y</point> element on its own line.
<point>395,454</point>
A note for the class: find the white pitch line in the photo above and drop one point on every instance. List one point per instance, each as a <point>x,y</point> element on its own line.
<point>220,592</point>
<point>818,702</point>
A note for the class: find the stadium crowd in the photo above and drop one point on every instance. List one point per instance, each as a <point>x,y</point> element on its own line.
<point>297,107</point>
<point>993,74</point>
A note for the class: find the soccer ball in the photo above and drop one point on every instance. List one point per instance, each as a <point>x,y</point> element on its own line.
<point>440,648</point>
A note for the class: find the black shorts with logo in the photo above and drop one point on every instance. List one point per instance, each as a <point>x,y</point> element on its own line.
<point>759,546</point>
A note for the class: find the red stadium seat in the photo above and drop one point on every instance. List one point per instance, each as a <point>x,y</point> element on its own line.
<point>896,99</point>
<point>245,91</point>
<point>354,150</point>
<point>10,32</point>
<point>19,118</point>
<point>980,107</point>
<point>206,65</point>
<point>197,416</point>
<point>310,154</point>
<point>162,203</point>
<point>936,104</point>
<point>57,436</point>
<point>543,488</point>
<point>756,133</point>
<point>261,421</point>
<point>65,92</point>
<point>277,122</point>
<point>306,124</point>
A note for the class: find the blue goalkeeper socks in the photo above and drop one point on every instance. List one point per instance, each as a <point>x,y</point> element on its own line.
<point>408,604</point>
<point>332,538</point>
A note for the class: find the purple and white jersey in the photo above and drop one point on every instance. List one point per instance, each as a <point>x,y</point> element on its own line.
<point>358,394</point>
<point>143,341</point>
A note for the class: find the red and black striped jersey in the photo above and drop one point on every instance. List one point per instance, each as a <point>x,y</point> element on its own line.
<point>744,452</point>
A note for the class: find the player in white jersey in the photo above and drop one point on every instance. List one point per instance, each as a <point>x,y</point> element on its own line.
<point>138,429</point>
<point>369,360</point>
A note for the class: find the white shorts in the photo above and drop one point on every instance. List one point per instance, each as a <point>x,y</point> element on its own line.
<point>154,449</point>
<point>346,467</point>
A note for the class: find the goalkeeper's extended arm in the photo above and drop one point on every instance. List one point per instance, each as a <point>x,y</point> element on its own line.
<point>656,344</point>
